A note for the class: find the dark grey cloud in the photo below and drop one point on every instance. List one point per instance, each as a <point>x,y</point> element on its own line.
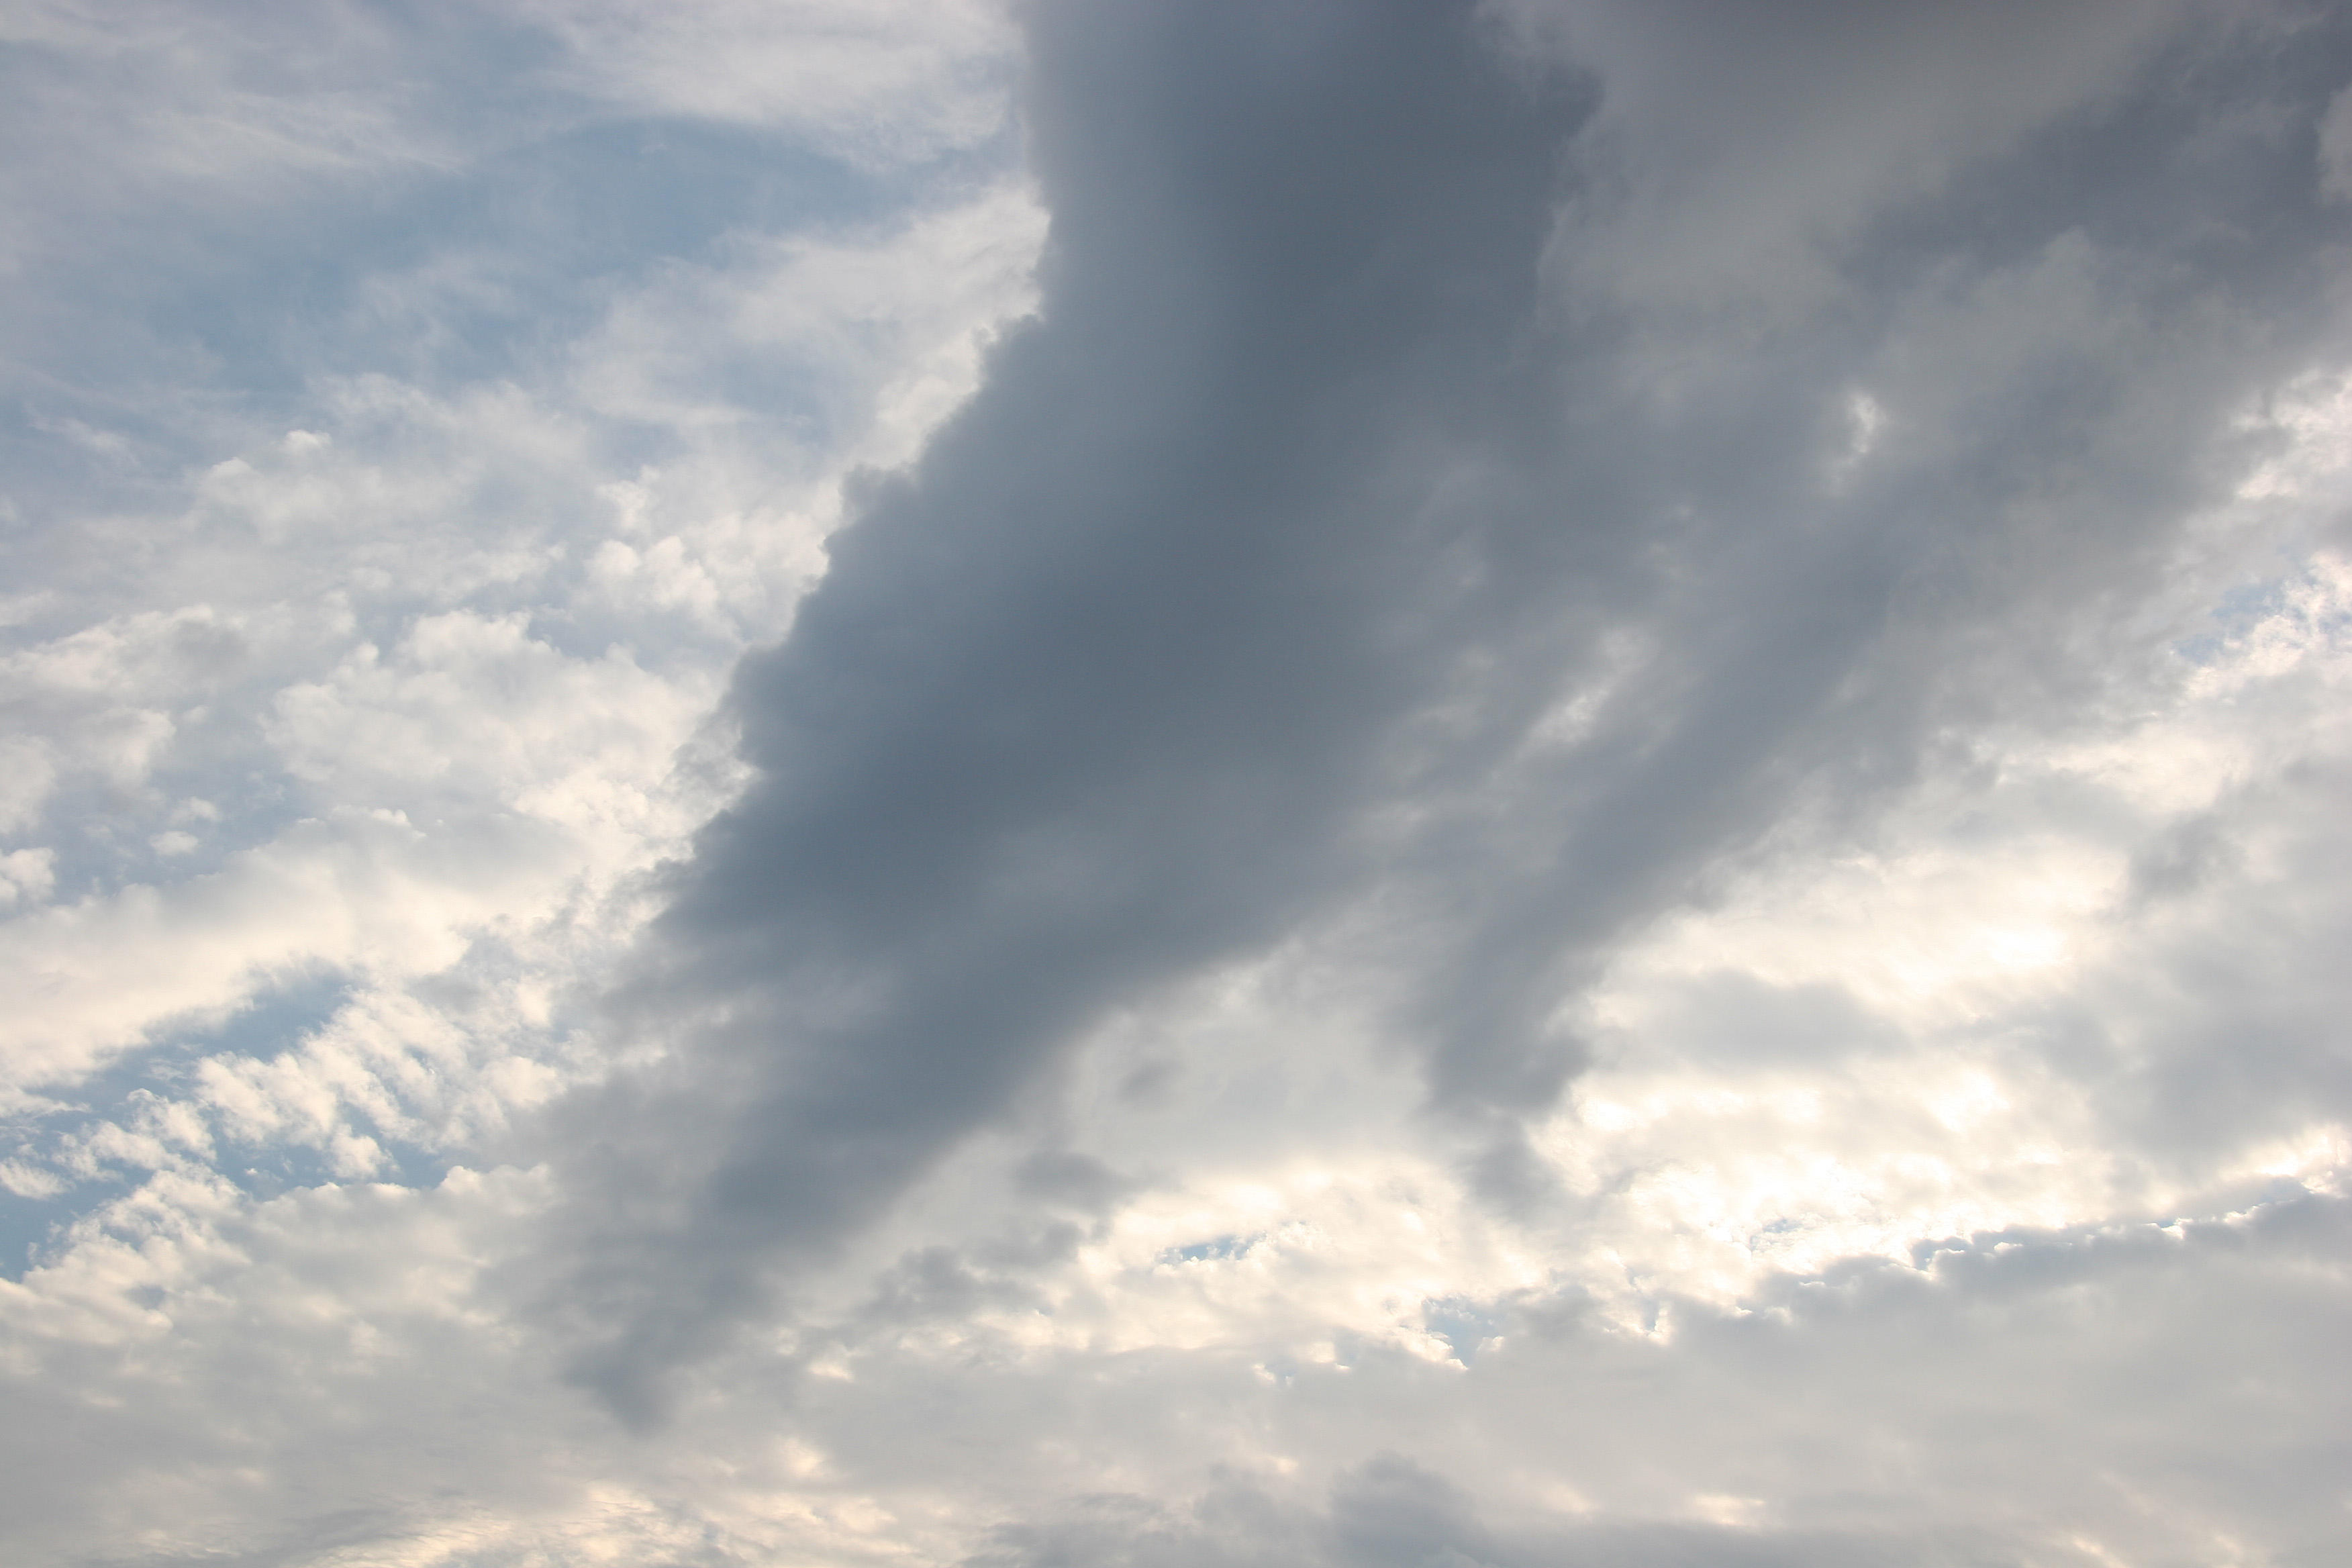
<point>1348,450</point>
<point>1094,694</point>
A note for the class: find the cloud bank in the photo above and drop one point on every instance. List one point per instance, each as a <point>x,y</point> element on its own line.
<point>1161,784</point>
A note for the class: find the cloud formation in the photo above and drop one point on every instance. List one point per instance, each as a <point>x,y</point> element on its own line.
<point>1244,585</point>
<point>1179,784</point>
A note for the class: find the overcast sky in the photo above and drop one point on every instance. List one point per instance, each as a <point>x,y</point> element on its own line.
<point>1176,784</point>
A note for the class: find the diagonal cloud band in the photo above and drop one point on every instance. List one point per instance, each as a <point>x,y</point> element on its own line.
<point>1345,534</point>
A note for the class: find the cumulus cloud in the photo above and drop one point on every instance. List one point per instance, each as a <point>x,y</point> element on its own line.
<point>1156,784</point>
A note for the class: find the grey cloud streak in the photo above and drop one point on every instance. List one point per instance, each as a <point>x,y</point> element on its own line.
<point>1328,469</point>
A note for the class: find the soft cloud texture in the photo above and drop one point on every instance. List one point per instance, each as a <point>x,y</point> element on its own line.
<point>1161,784</point>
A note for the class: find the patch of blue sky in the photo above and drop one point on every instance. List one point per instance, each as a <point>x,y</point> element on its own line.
<point>273,1022</point>
<point>540,231</point>
<point>2238,612</point>
<point>493,232</point>
<point>428,275</point>
<point>105,839</point>
<point>2232,615</point>
<point>1463,1323</point>
<point>266,1171</point>
<point>1216,1250</point>
<point>34,1229</point>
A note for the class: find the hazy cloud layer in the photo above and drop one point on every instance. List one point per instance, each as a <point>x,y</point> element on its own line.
<point>1177,784</point>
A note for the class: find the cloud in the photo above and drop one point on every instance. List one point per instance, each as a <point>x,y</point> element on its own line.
<point>1873,1387</point>
<point>1140,784</point>
<point>1740,164</point>
<point>1233,601</point>
<point>880,82</point>
<point>1083,700</point>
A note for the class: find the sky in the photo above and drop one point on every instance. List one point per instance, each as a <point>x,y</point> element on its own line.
<point>1176,784</point>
